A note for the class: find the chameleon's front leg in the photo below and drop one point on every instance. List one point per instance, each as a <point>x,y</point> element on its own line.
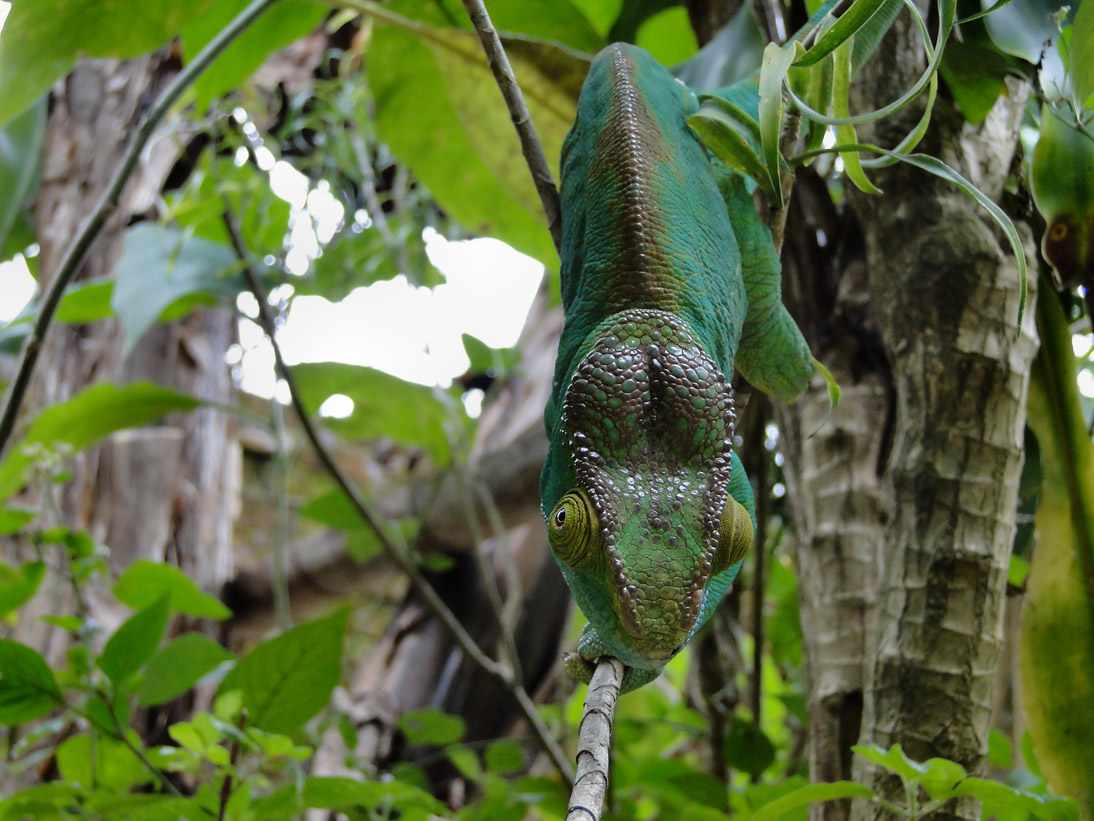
<point>590,649</point>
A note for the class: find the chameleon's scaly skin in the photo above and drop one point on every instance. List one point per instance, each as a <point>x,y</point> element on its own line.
<point>641,414</point>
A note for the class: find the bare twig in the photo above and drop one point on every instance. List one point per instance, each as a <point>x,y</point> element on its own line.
<point>594,742</point>
<point>522,119</point>
<point>108,203</point>
<point>395,551</point>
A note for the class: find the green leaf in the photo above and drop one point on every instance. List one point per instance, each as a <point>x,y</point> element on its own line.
<point>383,405</point>
<point>1056,637</point>
<point>1081,63</point>
<point>731,56</point>
<point>346,794</point>
<point>747,747</point>
<point>178,667</point>
<point>999,799</point>
<point>145,581</point>
<point>942,777</point>
<point>87,418</point>
<point>41,41</point>
<point>728,133</point>
<point>162,265</point>
<point>431,726</point>
<point>668,36</point>
<point>1000,750</point>
<point>28,689</point>
<point>504,757</point>
<point>845,133</point>
<point>288,679</point>
<point>86,302</point>
<point>109,764</point>
<point>457,136</point>
<point>283,24</point>
<point>776,64</point>
<point>135,641</point>
<point>893,760</point>
<point>18,585</point>
<point>804,796</point>
<point>20,147</point>
<point>974,71</point>
<point>841,32</point>
<point>14,519</point>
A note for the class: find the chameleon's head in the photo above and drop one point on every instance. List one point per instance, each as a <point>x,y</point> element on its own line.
<point>647,534</point>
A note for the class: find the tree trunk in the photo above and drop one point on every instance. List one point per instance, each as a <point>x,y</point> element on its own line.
<point>166,493</point>
<point>946,296</point>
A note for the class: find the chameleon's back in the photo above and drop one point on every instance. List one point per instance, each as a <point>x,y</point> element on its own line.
<point>644,223</point>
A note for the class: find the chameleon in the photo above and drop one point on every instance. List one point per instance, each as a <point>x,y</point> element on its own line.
<point>669,280</point>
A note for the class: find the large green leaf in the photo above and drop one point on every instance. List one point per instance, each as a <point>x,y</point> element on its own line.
<point>161,266</point>
<point>41,40</point>
<point>284,23</point>
<point>288,679</point>
<point>1056,639</point>
<point>383,405</point>
<point>179,666</point>
<point>135,641</point>
<point>804,796</point>
<point>145,581</point>
<point>20,147</point>
<point>85,419</point>
<point>19,584</point>
<point>348,794</point>
<point>27,686</point>
<point>439,109</point>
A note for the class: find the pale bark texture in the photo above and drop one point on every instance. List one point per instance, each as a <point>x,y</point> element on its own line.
<point>835,461</point>
<point>945,292</point>
<point>166,493</point>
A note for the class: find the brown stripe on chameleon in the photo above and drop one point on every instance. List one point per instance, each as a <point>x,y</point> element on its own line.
<point>634,154</point>
<point>650,423</point>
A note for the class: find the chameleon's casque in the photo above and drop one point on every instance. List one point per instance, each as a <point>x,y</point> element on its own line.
<point>647,508</point>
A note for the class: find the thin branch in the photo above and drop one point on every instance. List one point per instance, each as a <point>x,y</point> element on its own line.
<point>396,552</point>
<point>108,203</point>
<point>594,742</point>
<point>522,119</point>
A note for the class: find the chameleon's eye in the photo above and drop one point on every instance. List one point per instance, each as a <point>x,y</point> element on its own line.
<point>735,532</point>
<point>572,528</point>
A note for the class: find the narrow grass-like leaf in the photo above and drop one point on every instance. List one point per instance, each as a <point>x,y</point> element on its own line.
<point>1080,68</point>
<point>776,63</point>
<point>722,134</point>
<point>841,32</point>
<point>841,90</point>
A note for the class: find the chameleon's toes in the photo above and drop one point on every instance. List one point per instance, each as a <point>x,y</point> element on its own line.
<point>578,667</point>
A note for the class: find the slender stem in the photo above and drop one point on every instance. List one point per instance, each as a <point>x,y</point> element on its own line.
<point>759,583</point>
<point>522,119</point>
<point>397,553</point>
<point>594,742</point>
<point>108,203</point>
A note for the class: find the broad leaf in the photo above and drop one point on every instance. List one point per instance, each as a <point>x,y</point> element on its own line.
<point>1056,638</point>
<point>286,22</point>
<point>27,686</point>
<point>432,726</point>
<point>1081,63</point>
<point>41,41</point>
<point>288,679</point>
<point>144,582</point>
<point>109,763</point>
<point>804,796</point>
<point>383,405</point>
<point>20,147</point>
<point>135,641</point>
<point>178,667</point>
<point>19,584</point>
<point>85,419</point>
<point>162,265</point>
<point>347,794</point>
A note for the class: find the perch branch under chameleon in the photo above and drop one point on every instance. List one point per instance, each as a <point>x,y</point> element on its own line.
<point>669,280</point>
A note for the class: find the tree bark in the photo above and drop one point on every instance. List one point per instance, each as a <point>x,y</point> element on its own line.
<point>946,295</point>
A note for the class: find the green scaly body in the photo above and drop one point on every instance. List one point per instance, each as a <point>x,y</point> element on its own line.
<point>648,509</point>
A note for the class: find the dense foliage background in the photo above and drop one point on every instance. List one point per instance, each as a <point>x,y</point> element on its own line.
<point>222,606</point>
